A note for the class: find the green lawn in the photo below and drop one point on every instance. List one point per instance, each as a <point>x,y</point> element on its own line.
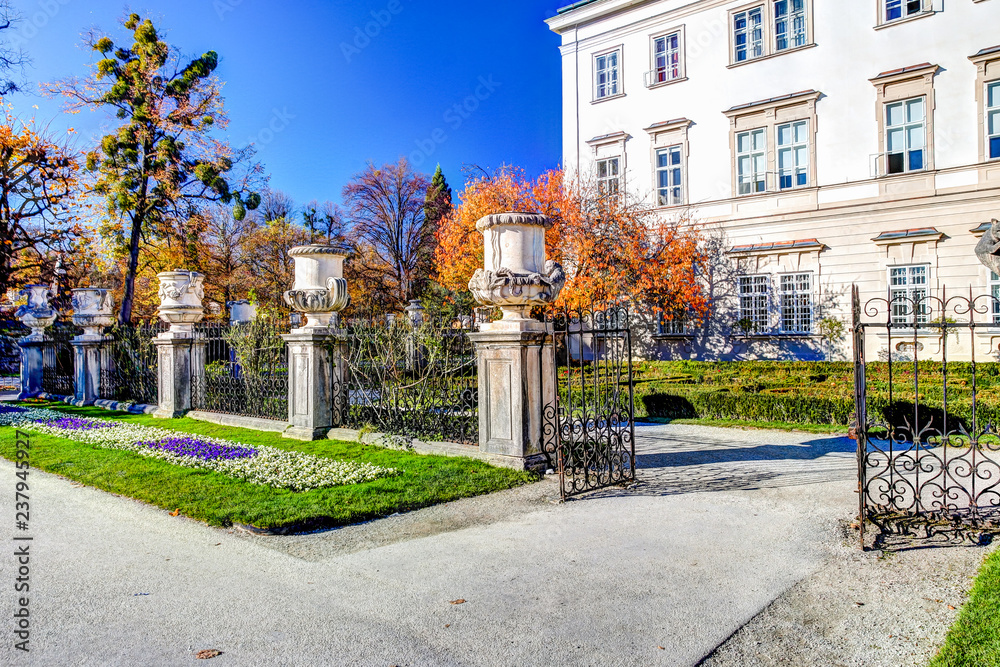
<point>737,423</point>
<point>974,640</point>
<point>222,501</point>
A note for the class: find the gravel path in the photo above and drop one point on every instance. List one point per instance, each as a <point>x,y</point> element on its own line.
<point>729,529</point>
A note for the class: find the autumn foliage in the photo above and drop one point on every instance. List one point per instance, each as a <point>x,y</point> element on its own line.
<point>612,249</point>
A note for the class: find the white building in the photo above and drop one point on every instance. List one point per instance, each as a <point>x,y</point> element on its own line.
<point>834,142</point>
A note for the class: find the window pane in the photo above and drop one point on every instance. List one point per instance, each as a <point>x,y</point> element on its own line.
<point>675,156</point>
<point>915,136</point>
<point>662,158</point>
<point>785,158</point>
<point>995,147</point>
<point>784,135</point>
<point>895,163</point>
<point>894,114</point>
<point>896,141</point>
<point>758,140</point>
<point>916,160</point>
<point>993,95</point>
<point>915,110</point>
<point>800,132</point>
<point>743,142</point>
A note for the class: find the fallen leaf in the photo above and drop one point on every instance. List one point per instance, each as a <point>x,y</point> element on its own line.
<point>176,512</point>
<point>458,601</point>
<point>447,625</point>
<point>860,604</point>
<point>207,653</point>
<point>661,648</point>
<point>950,607</point>
<point>218,543</point>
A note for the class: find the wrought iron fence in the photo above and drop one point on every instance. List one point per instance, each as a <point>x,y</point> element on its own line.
<point>246,369</point>
<point>926,426</point>
<point>57,359</point>
<point>418,380</point>
<point>589,425</point>
<point>10,354</point>
<point>131,372</point>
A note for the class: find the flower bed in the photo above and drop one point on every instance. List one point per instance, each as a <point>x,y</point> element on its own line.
<point>267,466</point>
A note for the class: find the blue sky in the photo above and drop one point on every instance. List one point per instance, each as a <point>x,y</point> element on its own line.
<point>320,98</point>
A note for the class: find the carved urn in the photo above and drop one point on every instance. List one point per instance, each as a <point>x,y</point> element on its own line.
<point>516,274</point>
<point>37,314</point>
<point>181,293</point>
<point>319,291</point>
<point>241,312</point>
<point>93,309</point>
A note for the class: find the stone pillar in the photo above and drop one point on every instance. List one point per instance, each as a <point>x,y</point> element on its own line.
<point>92,310</point>
<point>38,315</point>
<point>513,354</point>
<point>181,294</point>
<point>316,350</point>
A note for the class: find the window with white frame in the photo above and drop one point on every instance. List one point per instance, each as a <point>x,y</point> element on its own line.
<point>754,303</point>
<point>993,119</point>
<point>789,24</point>
<point>995,292</point>
<point>607,74</point>
<point>673,324</point>
<point>669,176</point>
<point>608,176</point>
<point>666,59</point>
<point>748,34</point>
<point>751,161</point>
<point>906,135</point>
<point>908,294</point>
<point>796,302</point>
<point>899,9</point>
<point>793,154</point>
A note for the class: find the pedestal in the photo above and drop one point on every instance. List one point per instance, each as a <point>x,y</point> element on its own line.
<point>175,355</point>
<point>32,363</point>
<point>88,361</point>
<point>512,365</point>
<point>315,379</point>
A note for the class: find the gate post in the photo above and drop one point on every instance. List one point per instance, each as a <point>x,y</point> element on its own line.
<point>92,310</point>
<point>512,354</point>
<point>37,315</point>
<point>316,351</point>
<point>180,295</point>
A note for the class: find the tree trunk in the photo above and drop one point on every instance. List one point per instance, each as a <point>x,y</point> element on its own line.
<point>125,315</point>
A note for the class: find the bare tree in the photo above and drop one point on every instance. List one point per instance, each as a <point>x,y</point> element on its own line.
<point>325,222</point>
<point>276,205</point>
<point>12,57</point>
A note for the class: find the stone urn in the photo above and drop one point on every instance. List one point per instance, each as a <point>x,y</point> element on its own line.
<point>516,275</point>
<point>319,291</point>
<point>241,312</point>
<point>415,312</point>
<point>93,309</point>
<point>181,293</point>
<point>37,314</point>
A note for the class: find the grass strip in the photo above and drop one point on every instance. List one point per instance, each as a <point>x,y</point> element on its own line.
<point>974,639</point>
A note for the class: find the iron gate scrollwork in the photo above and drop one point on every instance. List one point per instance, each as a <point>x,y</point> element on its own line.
<point>589,428</point>
<point>926,425</point>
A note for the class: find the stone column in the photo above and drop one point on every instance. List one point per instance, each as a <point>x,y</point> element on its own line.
<point>316,350</point>
<point>38,315</point>
<point>181,294</point>
<point>92,310</point>
<point>513,354</point>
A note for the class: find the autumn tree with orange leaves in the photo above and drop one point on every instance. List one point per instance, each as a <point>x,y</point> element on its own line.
<point>613,249</point>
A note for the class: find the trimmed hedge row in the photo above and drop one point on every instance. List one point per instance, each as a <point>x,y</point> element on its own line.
<point>724,404</point>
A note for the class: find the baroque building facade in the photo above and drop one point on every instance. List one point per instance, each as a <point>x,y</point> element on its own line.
<point>828,144</point>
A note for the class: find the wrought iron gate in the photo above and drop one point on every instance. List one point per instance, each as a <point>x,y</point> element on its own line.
<point>926,425</point>
<point>589,427</point>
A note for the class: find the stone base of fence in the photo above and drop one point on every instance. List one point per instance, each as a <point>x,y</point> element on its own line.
<point>315,371</point>
<point>32,362</point>
<point>239,421</point>
<point>175,352</point>
<point>90,358</point>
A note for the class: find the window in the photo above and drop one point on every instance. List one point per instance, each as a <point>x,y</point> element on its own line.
<point>795,300</point>
<point>995,292</point>
<point>748,34</point>
<point>993,119</point>
<point>673,325</point>
<point>608,176</point>
<point>669,176</point>
<point>793,155</point>
<point>906,134</point>
<point>754,303</point>
<point>606,72</point>
<point>751,161</point>
<point>666,59</point>
<point>908,294</point>
<point>789,24</point>
<point>897,9</point>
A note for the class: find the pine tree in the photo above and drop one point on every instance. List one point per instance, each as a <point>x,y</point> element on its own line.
<point>438,202</point>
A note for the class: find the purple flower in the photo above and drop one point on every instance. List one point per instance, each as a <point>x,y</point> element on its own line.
<point>79,424</point>
<point>206,451</point>
<point>8,409</point>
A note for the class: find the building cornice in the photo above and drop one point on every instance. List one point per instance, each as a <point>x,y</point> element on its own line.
<point>905,74</point>
<point>908,236</point>
<point>774,102</point>
<point>991,53</point>
<point>668,125</point>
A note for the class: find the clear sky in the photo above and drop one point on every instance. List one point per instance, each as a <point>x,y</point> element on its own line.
<point>320,98</point>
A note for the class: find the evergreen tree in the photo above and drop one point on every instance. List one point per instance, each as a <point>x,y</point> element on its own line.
<point>438,201</point>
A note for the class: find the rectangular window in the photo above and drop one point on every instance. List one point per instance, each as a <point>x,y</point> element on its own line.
<point>607,74</point>
<point>793,155</point>
<point>898,9</point>
<point>751,161</point>
<point>748,34</point>
<point>995,292</point>
<point>906,135</point>
<point>796,303</point>
<point>666,59</point>
<point>754,293</point>
<point>608,176</point>
<point>669,176</point>
<point>789,24</point>
<point>908,294</point>
<point>673,325</point>
<point>993,119</point>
